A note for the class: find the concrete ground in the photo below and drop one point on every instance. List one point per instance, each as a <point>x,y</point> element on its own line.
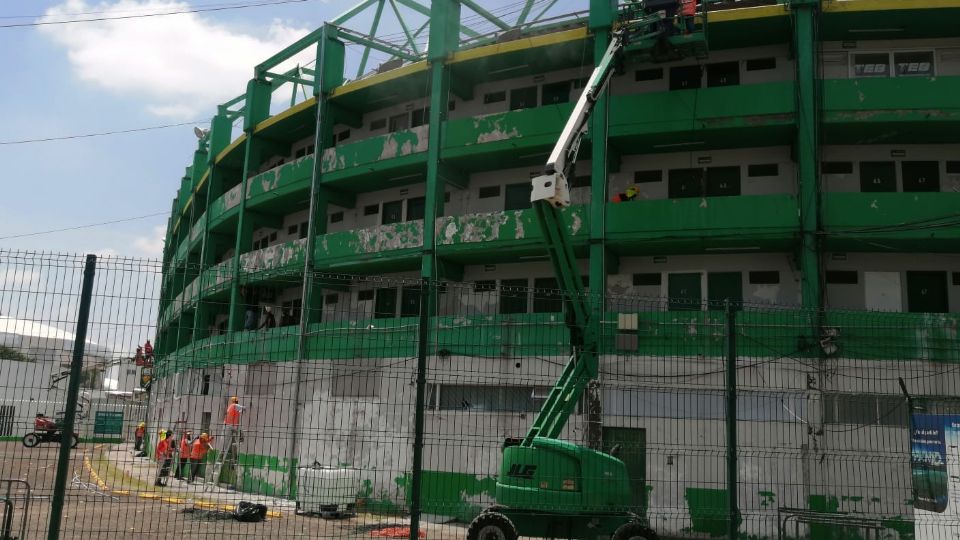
<point>110,495</point>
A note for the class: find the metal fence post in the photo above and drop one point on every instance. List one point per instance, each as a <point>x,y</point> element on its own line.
<point>732,511</point>
<point>423,339</point>
<point>73,391</point>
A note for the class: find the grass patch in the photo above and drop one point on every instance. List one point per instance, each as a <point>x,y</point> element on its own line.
<point>9,353</point>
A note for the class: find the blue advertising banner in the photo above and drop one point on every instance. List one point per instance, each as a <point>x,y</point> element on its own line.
<point>935,464</point>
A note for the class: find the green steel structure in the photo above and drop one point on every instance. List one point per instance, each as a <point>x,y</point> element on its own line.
<point>812,157</point>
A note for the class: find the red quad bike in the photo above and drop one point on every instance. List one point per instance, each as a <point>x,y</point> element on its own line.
<point>47,431</point>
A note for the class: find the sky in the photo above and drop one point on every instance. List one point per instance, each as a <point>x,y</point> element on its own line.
<point>91,77</point>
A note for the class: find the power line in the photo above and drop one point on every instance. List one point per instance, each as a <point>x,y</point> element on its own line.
<point>101,134</point>
<point>141,10</point>
<point>78,227</point>
<point>144,15</point>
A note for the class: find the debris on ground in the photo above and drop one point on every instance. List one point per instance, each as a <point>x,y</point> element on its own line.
<point>395,532</point>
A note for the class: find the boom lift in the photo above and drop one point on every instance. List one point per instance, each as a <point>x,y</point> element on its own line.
<point>548,487</point>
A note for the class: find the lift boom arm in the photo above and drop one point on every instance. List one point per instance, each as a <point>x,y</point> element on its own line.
<point>550,193</point>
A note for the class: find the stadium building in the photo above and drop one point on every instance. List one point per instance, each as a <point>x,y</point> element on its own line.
<point>794,153</point>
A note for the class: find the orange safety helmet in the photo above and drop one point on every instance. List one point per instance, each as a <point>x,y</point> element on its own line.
<point>204,436</point>
<point>234,399</point>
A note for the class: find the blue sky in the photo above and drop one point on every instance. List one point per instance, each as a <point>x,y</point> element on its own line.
<point>93,77</point>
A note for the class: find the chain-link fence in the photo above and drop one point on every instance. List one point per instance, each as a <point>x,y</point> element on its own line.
<point>398,407</point>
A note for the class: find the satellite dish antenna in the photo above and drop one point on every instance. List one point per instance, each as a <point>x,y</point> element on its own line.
<point>200,132</point>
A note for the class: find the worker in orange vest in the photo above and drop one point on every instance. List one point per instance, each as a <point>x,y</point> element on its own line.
<point>231,420</point>
<point>198,452</point>
<point>164,457</point>
<point>183,463</point>
<point>688,10</point>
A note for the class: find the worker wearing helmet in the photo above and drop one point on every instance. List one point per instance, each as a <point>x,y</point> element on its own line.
<point>231,422</point>
<point>138,436</point>
<point>183,464</point>
<point>198,453</point>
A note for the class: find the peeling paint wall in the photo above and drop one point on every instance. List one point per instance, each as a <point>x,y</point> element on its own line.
<point>382,147</point>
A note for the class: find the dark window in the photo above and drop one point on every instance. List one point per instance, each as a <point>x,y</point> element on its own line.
<point>771,277</point>
<point>415,208</point>
<point>517,196</point>
<point>337,217</point>
<point>378,124</point>
<point>723,74</point>
<point>484,285</point>
<point>683,183</point>
<point>300,153</point>
<point>871,65</point>
<point>304,229</point>
<point>758,64</point>
<point>685,77</point>
<point>643,177</point>
<point>920,175</point>
<point>513,296</point>
<point>683,291</point>
<point>331,299</point>
<point>292,229</point>
<point>580,181</point>
<point>371,209</point>
<point>523,98</point>
<point>836,167</point>
<point>446,196</point>
<point>558,92</point>
<point>392,212</point>
<point>420,117</point>
<point>399,122</point>
<point>489,191</point>
<point>343,135</point>
<point>913,63</point>
<point>723,287</point>
<point>953,167</point>
<point>451,105</point>
<point>648,74</point>
<point>956,278</point>
<point>385,306</point>
<point>723,181</point>
<point>841,277</point>
<point>546,298</point>
<point>764,169</point>
<point>273,237</point>
<point>580,83</point>
<point>495,97</point>
<point>878,176</point>
<point>646,280</point>
<point>365,295</point>
<point>310,149</point>
<point>410,301</point>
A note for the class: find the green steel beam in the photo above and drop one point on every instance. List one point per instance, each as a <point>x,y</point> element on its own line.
<point>486,14</point>
<point>285,78</point>
<point>542,12</point>
<point>352,12</point>
<point>403,26</point>
<point>527,6</point>
<point>287,53</point>
<point>376,45</point>
<point>373,32</point>
<point>805,14</point>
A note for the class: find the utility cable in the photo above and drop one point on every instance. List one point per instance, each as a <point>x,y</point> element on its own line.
<point>144,15</point>
<point>100,134</point>
<point>78,227</point>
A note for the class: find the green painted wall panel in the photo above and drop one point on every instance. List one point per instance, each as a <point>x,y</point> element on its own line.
<point>538,125</point>
<point>375,149</point>
<point>914,222</point>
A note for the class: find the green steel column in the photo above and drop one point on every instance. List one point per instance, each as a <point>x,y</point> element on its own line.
<point>218,139</point>
<point>602,16</point>
<point>331,55</point>
<point>256,109</point>
<point>444,40</point>
<point>805,16</point>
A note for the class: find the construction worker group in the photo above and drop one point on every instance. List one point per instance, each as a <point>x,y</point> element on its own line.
<point>189,454</point>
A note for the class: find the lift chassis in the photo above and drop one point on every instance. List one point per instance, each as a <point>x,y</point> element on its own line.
<point>549,487</point>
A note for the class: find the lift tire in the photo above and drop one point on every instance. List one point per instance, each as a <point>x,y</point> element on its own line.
<point>634,531</point>
<point>74,441</point>
<point>491,526</point>
<point>31,439</point>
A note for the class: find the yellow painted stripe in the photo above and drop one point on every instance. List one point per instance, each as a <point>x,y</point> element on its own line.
<point>230,148</point>
<point>206,505</point>
<point>174,500</point>
<point>393,74</point>
<point>743,14</point>
<point>519,45</point>
<point>120,492</point>
<point>285,114</point>
<point>274,513</point>
<point>203,180</point>
<point>839,6</point>
<point>148,495</point>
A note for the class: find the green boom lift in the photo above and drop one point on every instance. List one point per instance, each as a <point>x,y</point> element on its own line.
<point>548,487</point>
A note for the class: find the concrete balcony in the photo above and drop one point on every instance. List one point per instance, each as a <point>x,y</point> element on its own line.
<point>899,222</point>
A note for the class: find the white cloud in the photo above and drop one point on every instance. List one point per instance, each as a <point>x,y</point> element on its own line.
<point>151,246</point>
<point>179,65</point>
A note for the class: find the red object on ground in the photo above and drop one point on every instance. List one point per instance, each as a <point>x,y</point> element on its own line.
<point>395,532</point>
<point>44,424</point>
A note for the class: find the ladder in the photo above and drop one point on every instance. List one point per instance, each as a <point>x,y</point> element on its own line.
<point>228,454</point>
